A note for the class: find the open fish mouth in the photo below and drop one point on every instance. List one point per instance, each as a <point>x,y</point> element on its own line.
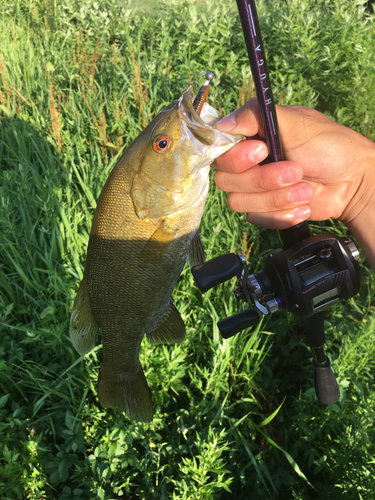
<point>208,141</point>
<point>207,116</point>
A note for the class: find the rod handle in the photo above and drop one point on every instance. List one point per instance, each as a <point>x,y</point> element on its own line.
<point>326,386</point>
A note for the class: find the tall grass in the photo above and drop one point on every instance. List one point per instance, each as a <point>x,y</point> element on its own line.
<point>78,81</point>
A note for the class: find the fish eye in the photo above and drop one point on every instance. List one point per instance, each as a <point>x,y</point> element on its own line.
<point>161,143</point>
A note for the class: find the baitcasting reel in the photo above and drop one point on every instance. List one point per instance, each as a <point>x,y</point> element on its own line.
<point>304,278</point>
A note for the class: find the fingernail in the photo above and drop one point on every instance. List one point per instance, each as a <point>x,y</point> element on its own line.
<point>288,177</point>
<point>227,123</point>
<point>301,194</point>
<point>259,153</point>
<point>302,213</point>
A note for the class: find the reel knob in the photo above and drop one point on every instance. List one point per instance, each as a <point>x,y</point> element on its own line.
<point>238,322</point>
<point>216,271</point>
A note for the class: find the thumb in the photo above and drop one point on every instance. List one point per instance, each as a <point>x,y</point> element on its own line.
<point>246,120</point>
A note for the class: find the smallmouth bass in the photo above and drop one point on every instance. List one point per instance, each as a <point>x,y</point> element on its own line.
<point>144,229</point>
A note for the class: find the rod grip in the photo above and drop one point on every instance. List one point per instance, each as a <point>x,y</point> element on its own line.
<point>326,386</point>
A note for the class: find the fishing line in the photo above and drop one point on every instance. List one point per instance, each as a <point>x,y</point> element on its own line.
<point>297,77</point>
<point>321,54</point>
<point>196,80</point>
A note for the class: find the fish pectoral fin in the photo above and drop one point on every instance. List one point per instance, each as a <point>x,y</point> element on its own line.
<point>125,391</point>
<point>196,251</point>
<point>83,327</point>
<point>157,246</point>
<point>169,329</point>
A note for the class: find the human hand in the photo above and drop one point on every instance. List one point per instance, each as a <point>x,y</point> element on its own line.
<point>324,174</point>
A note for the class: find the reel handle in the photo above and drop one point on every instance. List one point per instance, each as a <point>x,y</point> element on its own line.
<point>238,322</point>
<point>216,271</point>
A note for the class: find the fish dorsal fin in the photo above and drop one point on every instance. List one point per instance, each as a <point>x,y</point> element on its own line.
<point>169,329</point>
<point>196,251</point>
<point>83,327</point>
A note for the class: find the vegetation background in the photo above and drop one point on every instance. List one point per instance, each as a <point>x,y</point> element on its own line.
<point>79,79</point>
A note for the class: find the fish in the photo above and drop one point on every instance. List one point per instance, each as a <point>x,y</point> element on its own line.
<point>145,227</point>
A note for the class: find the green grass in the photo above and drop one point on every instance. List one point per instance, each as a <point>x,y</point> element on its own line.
<point>233,419</point>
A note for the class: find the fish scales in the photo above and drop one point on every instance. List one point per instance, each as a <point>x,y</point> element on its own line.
<point>147,217</point>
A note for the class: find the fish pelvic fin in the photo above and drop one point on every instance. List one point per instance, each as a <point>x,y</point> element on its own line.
<point>170,328</point>
<point>196,251</point>
<point>127,391</point>
<point>83,327</point>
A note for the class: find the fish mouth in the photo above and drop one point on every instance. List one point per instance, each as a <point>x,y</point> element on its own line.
<point>209,141</point>
<point>198,128</point>
<point>208,117</point>
<point>187,99</point>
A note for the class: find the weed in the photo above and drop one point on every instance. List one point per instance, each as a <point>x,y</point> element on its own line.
<point>236,418</point>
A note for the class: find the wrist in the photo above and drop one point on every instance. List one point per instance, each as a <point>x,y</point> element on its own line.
<point>359,215</point>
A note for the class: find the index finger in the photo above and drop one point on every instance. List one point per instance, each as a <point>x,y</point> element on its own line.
<point>246,120</point>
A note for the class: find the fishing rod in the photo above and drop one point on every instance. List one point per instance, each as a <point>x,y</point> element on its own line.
<point>308,273</point>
